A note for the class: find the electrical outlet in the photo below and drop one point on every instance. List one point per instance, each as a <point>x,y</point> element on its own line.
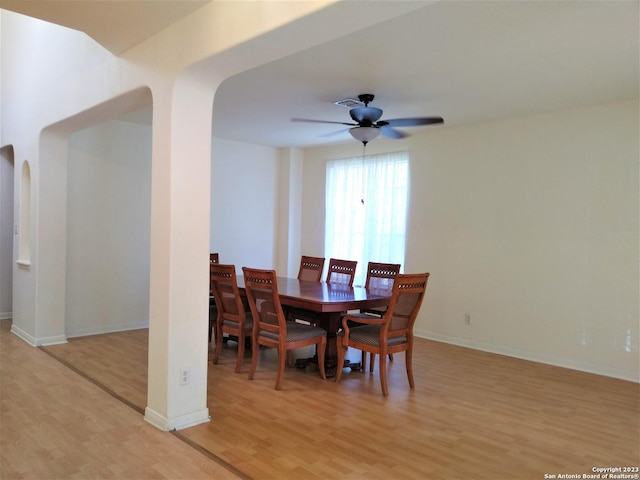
<point>185,376</point>
<point>467,318</point>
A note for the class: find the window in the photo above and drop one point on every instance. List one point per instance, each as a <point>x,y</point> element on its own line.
<point>366,209</point>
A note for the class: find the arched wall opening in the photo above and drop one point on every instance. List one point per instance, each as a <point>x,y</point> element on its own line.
<point>93,270</point>
<point>7,230</point>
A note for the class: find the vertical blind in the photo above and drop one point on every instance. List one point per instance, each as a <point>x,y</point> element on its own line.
<point>366,209</point>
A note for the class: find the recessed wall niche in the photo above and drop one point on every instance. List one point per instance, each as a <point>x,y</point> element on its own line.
<point>24,228</point>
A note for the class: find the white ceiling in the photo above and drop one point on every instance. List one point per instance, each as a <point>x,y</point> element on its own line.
<point>115,24</point>
<point>467,61</point>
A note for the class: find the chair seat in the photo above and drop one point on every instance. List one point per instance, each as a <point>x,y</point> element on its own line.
<point>368,313</point>
<point>296,332</point>
<point>248,323</point>
<point>370,335</point>
<point>355,323</point>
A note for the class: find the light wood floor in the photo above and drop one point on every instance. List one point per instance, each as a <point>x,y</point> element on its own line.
<point>472,415</point>
<point>54,424</point>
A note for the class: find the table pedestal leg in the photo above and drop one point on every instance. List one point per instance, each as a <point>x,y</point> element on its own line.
<point>331,322</point>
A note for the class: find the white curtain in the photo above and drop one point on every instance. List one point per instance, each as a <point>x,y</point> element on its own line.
<point>366,209</point>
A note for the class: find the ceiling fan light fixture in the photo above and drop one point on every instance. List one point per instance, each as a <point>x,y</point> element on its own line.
<point>364,134</point>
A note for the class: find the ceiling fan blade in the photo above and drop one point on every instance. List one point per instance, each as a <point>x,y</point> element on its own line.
<point>414,122</point>
<point>333,134</point>
<point>308,120</point>
<point>387,131</point>
<point>365,114</point>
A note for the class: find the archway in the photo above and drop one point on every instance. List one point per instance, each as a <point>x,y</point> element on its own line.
<point>7,230</point>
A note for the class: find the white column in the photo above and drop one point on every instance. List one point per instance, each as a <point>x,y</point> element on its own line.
<point>290,211</point>
<point>179,288</point>
<point>46,264</point>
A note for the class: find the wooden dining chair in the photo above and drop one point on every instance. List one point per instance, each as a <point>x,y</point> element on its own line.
<point>232,319</point>
<point>270,327</point>
<point>392,333</point>
<point>213,309</point>
<point>379,276</point>
<point>341,271</point>
<point>311,268</point>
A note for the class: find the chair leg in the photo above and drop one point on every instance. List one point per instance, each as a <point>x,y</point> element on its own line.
<point>254,357</point>
<point>409,362</point>
<point>322,346</point>
<point>391,357</point>
<point>218,339</point>
<point>372,362</point>
<point>383,376</point>
<point>240,355</point>
<point>282,354</point>
<point>363,361</point>
<point>341,351</point>
<point>213,316</point>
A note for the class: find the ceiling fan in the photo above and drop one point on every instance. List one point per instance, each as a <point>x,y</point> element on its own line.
<point>368,124</point>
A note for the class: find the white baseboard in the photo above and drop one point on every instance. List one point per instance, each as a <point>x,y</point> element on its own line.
<point>37,342</point>
<point>99,329</point>
<point>6,315</point>
<point>533,356</point>
<point>46,341</point>
<point>83,332</point>
<point>23,335</point>
<point>176,423</point>
<point>157,420</point>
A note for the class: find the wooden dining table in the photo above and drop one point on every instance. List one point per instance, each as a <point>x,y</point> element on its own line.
<point>328,301</point>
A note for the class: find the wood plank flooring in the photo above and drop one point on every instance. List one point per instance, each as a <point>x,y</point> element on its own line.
<point>54,424</point>
<point>472,415</point>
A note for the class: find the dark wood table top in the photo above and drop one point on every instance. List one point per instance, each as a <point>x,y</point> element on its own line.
<point>326,297</point>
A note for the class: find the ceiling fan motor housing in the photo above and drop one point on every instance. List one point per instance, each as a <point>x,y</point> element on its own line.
<point>365,116</point>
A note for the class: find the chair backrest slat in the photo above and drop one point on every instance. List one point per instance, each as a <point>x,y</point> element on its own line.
<point>311,268</point>
<point>341,271</point>
<point>381,275</point>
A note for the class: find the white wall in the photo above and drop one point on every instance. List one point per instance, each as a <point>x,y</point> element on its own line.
<point>530,225</point>
<point>244,203</point>
<point>290,211</point>
<point>107,275</point>
<point>108,222</point>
